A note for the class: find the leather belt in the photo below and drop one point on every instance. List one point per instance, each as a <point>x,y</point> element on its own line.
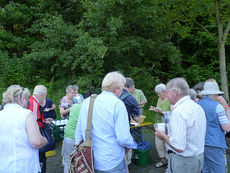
<point>171,152</point>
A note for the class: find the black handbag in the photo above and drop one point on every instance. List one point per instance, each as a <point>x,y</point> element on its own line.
<point>46,132</point>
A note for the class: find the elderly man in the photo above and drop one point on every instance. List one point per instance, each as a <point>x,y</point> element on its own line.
<point>217,124</point>
<point>37,99</point>
<point>137,94</point>
<point>186,130</point>
<point>110,129</point>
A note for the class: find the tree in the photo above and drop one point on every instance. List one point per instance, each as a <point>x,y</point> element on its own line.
<point>203,14</point>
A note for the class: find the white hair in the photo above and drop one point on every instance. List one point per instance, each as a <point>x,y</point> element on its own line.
<point>113,80</point>
<point>180,85</point>
<point>160,88</point>
<point>40,89</point>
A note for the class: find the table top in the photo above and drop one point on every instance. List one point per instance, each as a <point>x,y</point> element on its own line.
<point>142,124</point>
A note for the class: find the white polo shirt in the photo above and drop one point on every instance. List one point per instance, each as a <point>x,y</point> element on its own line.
<point>187,127</point>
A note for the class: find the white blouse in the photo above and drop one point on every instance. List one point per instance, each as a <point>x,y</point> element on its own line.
<point>16,155</point>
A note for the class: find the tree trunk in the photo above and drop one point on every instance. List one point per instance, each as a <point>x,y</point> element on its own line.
<point>223,74</point>
<point>221,48</point>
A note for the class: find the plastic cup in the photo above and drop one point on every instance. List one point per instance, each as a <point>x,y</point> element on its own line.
<point>62,122</point>
<point>58,122</point>
<point>66,121</point>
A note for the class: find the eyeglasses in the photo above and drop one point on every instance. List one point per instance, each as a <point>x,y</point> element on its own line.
<point>18,91</point>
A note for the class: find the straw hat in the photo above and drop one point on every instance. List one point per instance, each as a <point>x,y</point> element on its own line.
<point>210,88</point>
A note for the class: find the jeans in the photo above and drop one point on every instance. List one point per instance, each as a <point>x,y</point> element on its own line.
<point>121,168</point>
<point>214,160</point>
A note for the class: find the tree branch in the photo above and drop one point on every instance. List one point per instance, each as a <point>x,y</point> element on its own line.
<point>196,22</point>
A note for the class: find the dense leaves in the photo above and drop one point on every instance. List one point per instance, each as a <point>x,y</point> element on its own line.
<point>61,42</point>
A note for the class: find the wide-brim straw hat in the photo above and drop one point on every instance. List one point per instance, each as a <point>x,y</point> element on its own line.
<point>210,88</point>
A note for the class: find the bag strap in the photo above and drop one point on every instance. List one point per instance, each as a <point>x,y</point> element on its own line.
<point>124,95</point>
<point>90,115</point>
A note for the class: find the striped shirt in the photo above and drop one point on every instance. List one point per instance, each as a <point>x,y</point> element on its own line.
<point>187,127</point>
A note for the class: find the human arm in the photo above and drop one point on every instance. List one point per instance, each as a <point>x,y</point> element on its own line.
<point>143,99</point>
<point>122,128</point>
<point>161,135</point>
<point>223,118</point>
<point>64,111</point>
<point>78,130</point>
<point>222,101</point>
<point>52,108</point>
<point>35,138</point>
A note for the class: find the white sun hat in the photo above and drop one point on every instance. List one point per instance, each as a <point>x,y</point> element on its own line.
<point>210,88</point>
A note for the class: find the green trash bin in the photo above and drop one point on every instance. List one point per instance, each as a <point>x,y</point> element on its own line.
<point>141,157</point>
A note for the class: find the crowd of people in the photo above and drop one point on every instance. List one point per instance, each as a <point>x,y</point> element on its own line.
<point>196,121</point>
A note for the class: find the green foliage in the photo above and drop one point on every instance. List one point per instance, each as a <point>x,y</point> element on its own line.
<point>58,43</point>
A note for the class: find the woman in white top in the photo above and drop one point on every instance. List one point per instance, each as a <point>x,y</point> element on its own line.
<point>20,136</point>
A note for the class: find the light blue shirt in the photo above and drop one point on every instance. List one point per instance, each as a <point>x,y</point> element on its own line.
<point>110,130</point>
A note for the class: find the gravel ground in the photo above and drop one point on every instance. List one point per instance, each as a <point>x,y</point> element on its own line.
<point>54,163</point>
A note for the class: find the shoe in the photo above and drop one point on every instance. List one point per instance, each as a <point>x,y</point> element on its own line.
<point>166,171</point>
<point>161,164</point>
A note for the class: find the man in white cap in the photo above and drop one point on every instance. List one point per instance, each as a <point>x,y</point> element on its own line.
<point>217,124</point>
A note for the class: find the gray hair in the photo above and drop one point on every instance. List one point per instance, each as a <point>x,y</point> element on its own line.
<point>129,83</point>
<point>192,93</point>
<point>14,93</point>
<point>113,80</point>
<point>75,87</point>
<point>180,85</point>
<point>40,89</point>
<point>69,89</point>
<point>160,88</point>
<point>199,86</point>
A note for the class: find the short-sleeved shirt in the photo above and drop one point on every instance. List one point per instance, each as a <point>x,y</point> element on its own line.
<point>164,106</point>
<point>187,127</point>
<point>51,113</point>
<point>139,96</point>
<point>72,123</point>
<point>65,104</point>
<point>78,99</point>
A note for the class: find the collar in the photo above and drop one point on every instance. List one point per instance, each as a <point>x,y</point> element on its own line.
<point>181,101</point>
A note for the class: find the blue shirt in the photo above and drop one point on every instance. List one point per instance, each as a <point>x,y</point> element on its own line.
<point>51,113</point>
<point>110,130</point>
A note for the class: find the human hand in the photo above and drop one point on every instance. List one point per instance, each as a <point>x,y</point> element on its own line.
<point>152,108</point>
<point>46,109</point>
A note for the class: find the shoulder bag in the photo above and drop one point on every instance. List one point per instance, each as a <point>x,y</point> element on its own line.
<point>81,160</point>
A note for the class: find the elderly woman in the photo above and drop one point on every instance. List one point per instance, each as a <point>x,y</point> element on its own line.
<point>218,122</point>
<point>78,98</point>
<point>20,135</point>
<point>162,105</point>
<point>67,101</point>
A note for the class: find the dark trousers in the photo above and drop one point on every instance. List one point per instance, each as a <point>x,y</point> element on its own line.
<point>42,160</point>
